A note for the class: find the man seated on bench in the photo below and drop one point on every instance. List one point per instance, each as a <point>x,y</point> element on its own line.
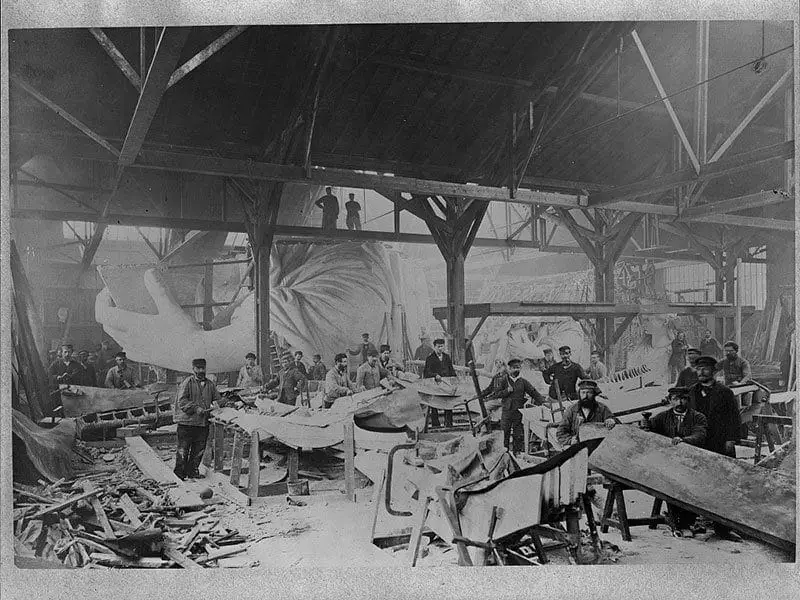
<point>586,410</point>
<point>683,425</point>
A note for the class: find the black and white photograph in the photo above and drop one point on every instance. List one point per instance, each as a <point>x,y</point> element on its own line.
<point>414,295</point>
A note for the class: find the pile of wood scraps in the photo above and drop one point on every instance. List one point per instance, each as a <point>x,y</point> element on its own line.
<point>102,521</point>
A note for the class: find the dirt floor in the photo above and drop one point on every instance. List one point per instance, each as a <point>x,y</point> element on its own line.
<point>326,530</point>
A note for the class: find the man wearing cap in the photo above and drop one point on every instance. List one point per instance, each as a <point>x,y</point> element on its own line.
<point>121,375</point>
<point>586,410</point>
<point>366,347</point>
<point>64,370</point>
<point>548,360</point>
<point>337,383</point>
<point>197,397</point>
<point>683,425</point>
<point>688,376</point>
<point>385,360</point>
<point>369,374</point>
<point>289,381</point>
<point>566,374</point>
<point>717,403</point>
<point>88,375</point>
<point>438,365</point>
<point>250,375</point>
<point>318,370</point>
<point>424,350</point>
<point>513,392</point>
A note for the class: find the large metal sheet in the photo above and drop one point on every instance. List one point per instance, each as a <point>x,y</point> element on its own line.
<point>756,501</point>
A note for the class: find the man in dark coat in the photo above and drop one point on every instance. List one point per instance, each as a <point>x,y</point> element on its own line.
<point>683,425</point>
<point>318,369</point>
<point>513,392</point>
<point>89,375</point>
<point>718,405</point>
<point>330,209</point>
<point>364,349</point>
<point>688,376</point>
<point>299,364</point>
<point>709,346</point>
<point>290,382</point>
<point>424,350</point>
<point>65,370</point>
<point>438,365</point>
<point>566,373</point>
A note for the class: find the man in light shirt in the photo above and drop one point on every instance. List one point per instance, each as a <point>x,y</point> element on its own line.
<point>250,375</point>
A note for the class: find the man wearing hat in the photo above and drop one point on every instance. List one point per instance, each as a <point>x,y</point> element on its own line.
<point>386,361</point>
<point>683,425</point>
<point>289,381</point>
<point>369,374</point>
<point>121,375</point>
<point>566,373</point>
<point>366,347</point>
<point>197,397</point>
<point>250,375</point>
<point>438,365</point>
<point>717,403</point>
<point>513,392</point>
<point>424,350</point>
<point>337,383</point>
<point>586,410</point>
<point>88,375</point>
<point>299,364</point>
<point>688,376</point>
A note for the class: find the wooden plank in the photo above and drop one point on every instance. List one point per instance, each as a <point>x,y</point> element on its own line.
<point>349,460</point>
<point>773,331</point>
<point>415,540</point>
<point>221,482</point>
<point>236,460</point>
<point>219,447</point>
<point>180,558</point>
<point>377,496</point>
<point>254,465</point>
<point>742,221</point>
<point>66,503</point>
<point>756,200</point>
<point>153,467</point>
<point>130,510</point>
<point>756,501</point>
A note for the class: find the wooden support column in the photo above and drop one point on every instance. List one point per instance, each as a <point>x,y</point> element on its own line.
<point>208,295</point>
<point>719,294</point>
<point>455,305</point>
<point>262,248</point>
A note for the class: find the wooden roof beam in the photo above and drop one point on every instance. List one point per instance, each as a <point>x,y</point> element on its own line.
<point>758,199</point>
<point>753,222</point>
<point>732,164</point>
<point>117,56</point>
<point>204,54</point>
<point>165,58</point>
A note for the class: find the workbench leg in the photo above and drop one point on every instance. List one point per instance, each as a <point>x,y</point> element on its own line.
<point>293,464</point>
<point>376,503</point>
<point>574,530</point>
<point>208,455</point>
<point>537,543</point>
<point>236,459</point>
<point>416,533</point>
<point>655,513</point>
<point>526,430</point>
<point>254,466</point>
<point>427,418</point>
<point>622,513</point>
<point>349,461</point>
<point>448,508</point>
<point>759,441</point>
<point>219,447</point>
<point>587,508</point>
<point>607,510</point>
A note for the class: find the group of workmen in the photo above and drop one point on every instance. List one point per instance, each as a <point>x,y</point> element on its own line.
<point>702,410</point>
<point>92,368</point>
<point>292,379</point>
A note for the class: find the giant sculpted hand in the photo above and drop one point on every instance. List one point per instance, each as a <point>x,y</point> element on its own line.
<point>319,296</point>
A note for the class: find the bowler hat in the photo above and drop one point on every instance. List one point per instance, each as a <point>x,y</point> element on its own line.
<point>679,391</point>
<point>706,361</point>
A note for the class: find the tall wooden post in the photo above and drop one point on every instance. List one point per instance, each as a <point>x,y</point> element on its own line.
<point>608,325</point>
<point>455,305</point>
<point>719,295</point>
<point>261,253</point>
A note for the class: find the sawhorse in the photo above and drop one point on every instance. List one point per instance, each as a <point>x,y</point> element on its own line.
<point>623,523</point>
